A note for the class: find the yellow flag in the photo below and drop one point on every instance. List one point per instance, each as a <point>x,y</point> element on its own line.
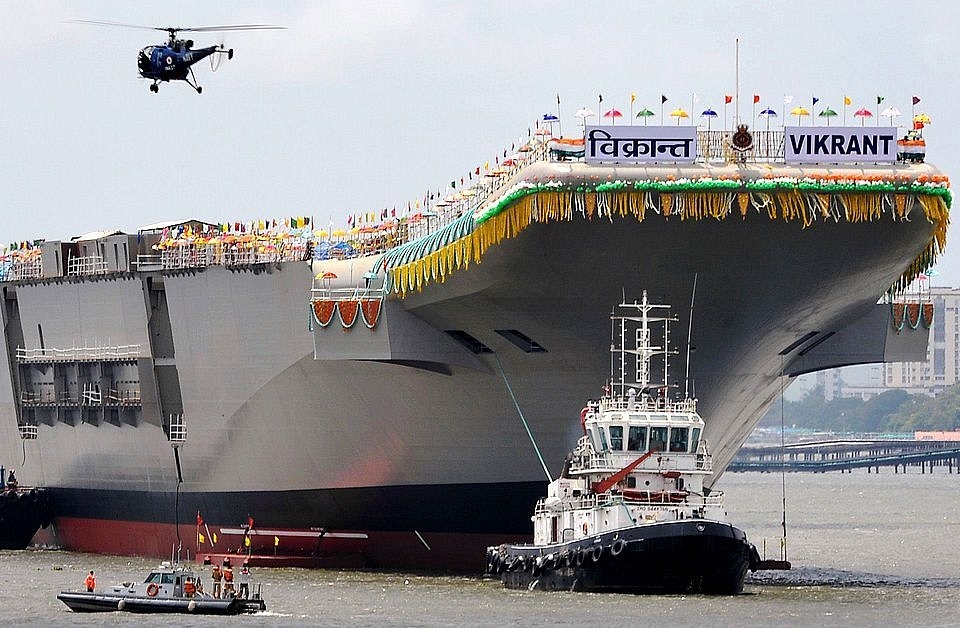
<point>246,541</point>
<point>633,97</point>
<point>276,541</point>
<point>214,538</point>
<point>847,101</point>
<point>202,539</point>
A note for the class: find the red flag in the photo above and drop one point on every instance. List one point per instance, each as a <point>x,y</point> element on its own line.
<point>756,98</point>
<point>249,521</point>
<point>199,519</point>
<point>917,125</point>
<point>916,100</point>
<point>727,100</point>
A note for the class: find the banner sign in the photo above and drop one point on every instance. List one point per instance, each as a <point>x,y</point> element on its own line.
<point>844,144</point>
<point>640,144</point>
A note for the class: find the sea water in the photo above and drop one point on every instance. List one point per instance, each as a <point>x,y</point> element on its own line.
<point>867,550</point>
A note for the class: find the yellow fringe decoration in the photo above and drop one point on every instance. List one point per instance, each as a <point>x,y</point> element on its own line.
<point>549,206</point>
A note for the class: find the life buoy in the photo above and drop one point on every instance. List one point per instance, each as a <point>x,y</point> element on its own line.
<point>152,589</point>
<point>617,548</point>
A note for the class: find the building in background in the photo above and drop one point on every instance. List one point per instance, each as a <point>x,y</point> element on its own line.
<point>940,371</point>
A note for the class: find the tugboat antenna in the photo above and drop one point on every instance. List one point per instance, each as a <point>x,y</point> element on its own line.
<point>686,378</point>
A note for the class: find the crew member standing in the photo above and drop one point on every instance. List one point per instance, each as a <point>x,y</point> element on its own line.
<point>244,580</point>
<point>91,582</point>
<point>227,579</point>
<point>217,576</point>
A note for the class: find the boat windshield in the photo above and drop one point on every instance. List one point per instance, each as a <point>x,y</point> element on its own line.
<point>637,438</point>
<point>658,438</point>
<point>695,439</point>
<point>154,577</point>
<point>616,437</point>
<point>678,439</point>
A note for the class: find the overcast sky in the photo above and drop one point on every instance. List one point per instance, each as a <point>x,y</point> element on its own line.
<point>360,106</point>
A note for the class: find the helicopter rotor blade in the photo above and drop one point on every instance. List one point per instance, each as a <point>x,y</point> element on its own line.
<point>234,27</point>
<point>120,24</point>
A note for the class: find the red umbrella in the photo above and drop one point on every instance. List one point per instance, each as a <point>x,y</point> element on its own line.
<point>613,113</point>
<point>863,114</point>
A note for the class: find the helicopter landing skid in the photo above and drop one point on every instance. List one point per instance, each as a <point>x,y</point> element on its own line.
<point>155,88</point>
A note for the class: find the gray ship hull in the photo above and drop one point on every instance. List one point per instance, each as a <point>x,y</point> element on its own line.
<point>410,449</point>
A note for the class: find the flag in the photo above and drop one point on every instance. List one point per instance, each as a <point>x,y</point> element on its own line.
<point>633,97</point>
<point>663,99</point>
<point>199,519</point>
<point>879,99</point>
<point>276,541</point>
<point>846,101</point>
<point>214,538</point>
<point>815,101</point>
<point>756,98</point>
<point>202,538</point>
<point>787,99</point>
<point>916,100</point>
<point>727,100</point>
<point>599,97</point>
<point>249,521</point>
<point>246,541</point>
<point>558,99</point>
<point>695,97</point>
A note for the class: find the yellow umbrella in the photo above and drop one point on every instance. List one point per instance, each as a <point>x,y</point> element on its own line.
<point>922,117</point>
<point>799,111</point>
<point>678,114</point>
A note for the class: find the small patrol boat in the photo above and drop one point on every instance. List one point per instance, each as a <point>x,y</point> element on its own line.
<point>630,512</point>
<point>166,590</point>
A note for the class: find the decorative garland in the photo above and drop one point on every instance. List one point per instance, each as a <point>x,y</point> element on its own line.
<point>831,196</point>
<point>911,314</point>
<point>346,310</point>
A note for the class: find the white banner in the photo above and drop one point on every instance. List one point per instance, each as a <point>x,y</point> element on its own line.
<point>846,144</point>
<point>640,144</point>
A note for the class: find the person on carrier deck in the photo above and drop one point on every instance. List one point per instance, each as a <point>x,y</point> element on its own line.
<point>217,576</point>
<point>91,582</point>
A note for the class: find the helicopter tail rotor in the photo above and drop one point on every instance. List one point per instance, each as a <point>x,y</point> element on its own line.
<point>217,59</point>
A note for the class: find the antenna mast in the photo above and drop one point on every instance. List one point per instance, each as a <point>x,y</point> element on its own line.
<point>686,378</point>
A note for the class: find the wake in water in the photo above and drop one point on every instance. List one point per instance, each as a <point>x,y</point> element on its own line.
<point>825,577</point>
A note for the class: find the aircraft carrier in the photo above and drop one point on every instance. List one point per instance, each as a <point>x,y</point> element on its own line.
<point>376,390</point>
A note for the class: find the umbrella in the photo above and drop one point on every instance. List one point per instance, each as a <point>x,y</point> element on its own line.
<point>613,114</point>
<point>768,113</point>
<point>891,112</point>
<point>678,114</point>
<point>827,113</point>
<point>922,117</point>
<point>799,111</point>
<point>583,113</point>
<point>863,114</point>
<point>645,113</point>
<point>543,131</point>
<point>709,114</point>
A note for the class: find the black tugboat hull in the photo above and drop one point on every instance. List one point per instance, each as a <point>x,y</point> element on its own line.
<point>22,513</point>
<point>82,602</point>
<point>688,556</point>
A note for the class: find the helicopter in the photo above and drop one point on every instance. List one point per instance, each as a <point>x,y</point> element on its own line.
<point>173,60</point>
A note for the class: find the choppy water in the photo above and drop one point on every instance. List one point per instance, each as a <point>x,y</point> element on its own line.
<point>867,550</point>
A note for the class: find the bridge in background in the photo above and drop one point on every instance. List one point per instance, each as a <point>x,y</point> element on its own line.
<point>846,455</point>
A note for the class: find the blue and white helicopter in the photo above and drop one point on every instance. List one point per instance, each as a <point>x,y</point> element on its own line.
<point>173,61</point>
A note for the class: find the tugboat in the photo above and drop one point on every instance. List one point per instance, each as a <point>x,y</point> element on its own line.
<point>630,512</point>
<point>168,589</point>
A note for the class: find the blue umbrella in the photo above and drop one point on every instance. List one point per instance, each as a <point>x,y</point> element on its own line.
<point>709,114</point>
<point>768,113</point>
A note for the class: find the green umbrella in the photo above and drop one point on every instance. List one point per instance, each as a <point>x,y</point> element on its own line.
<point>645,113</point>
<point>827,113</point>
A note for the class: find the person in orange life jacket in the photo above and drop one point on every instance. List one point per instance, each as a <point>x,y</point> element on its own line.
<point>91,582</point>
<point>189,588</point>
<point>227,578</point>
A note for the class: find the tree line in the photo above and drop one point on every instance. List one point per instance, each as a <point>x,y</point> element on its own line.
<point>890,411</point>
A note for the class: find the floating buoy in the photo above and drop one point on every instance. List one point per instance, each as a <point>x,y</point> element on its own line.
<point>192,606</point>
<point>120,605</point>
